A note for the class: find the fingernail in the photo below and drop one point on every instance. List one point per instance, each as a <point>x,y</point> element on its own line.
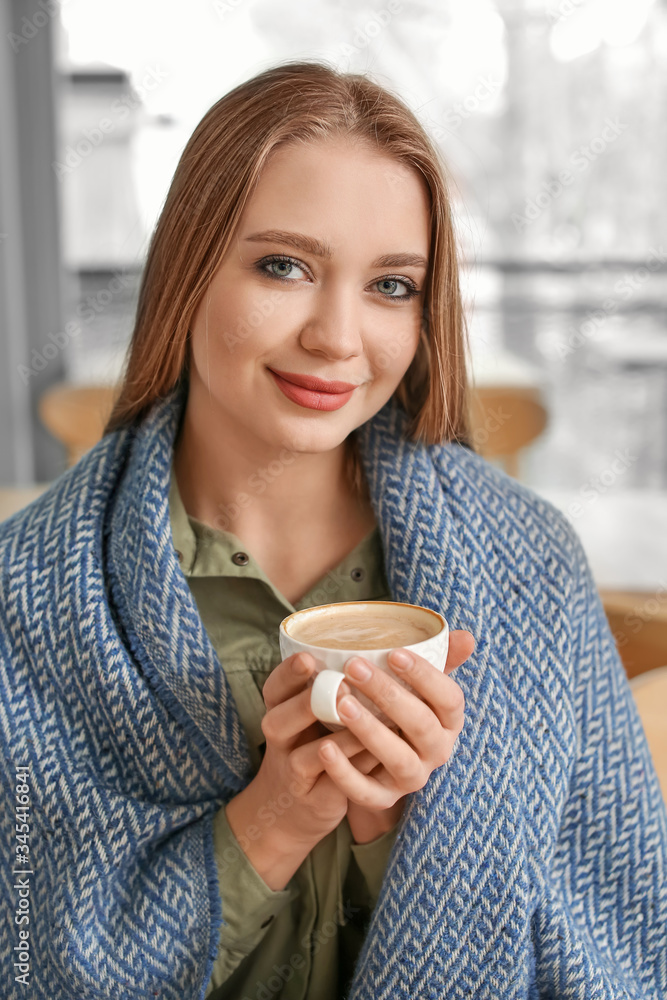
<point>401,659</point>
<point>358,670</point>
<point>301,664</point>
<point>348,707</point>
<point>327,751</point>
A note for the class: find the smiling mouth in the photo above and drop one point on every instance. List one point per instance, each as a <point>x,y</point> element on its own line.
<point>313,399</point>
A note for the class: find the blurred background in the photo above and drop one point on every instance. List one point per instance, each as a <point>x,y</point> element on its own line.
<point>551,115</point>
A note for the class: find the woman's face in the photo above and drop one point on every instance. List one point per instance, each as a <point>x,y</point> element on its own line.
<point>324,278</point>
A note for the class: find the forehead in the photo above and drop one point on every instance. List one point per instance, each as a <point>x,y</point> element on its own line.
<point>344,190</point>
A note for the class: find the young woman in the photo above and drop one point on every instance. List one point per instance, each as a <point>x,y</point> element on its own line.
<point>291,431</point>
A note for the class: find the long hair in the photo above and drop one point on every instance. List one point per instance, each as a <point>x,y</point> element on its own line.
<point>296,101</point>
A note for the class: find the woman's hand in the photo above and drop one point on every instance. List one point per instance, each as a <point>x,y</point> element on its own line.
<point>291,803</point>
<point>394,765</point>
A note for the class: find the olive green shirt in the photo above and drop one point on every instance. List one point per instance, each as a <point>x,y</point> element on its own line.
<point>301,942</point>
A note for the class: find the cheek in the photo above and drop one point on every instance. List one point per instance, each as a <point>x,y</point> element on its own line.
<point>251,322</point>
<point>395,350</point>
<point>231,328</point>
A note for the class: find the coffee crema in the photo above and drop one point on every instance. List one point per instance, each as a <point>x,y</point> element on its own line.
<point>368,627</point>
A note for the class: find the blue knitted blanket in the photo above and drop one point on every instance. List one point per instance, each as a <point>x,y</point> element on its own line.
<point>531,865</point>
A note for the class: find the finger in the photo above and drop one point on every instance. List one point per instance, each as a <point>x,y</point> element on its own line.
<point>435,688</point>
<point>292,722</point>
<point>364,761</point>
<point>408,765</point>
<point>306,760</point>
<point>288,719</point>
<point>434,693</point>
<point>288,678</point>
<point>374,792</point>
<point>461,647</point>
<point>345,740</point>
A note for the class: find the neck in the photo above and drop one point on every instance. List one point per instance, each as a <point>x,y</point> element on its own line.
<point>237,483</point>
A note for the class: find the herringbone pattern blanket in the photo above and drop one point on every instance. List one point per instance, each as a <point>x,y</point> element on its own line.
<point>531,865</point>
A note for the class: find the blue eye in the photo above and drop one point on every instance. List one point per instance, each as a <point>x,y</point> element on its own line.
<point>276,266</point>
<point>280,267</point>
<point>392,283</point>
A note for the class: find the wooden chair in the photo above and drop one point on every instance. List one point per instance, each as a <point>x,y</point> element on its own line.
<point>650,694</point>
<point>504,419</point>
<point>639,625</point>
<point>76,415</point>
<point>15,498</point>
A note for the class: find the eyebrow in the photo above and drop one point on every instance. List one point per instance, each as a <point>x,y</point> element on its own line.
<point>317,248</point>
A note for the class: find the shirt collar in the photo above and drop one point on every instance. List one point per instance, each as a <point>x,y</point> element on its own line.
<point>183,536</point>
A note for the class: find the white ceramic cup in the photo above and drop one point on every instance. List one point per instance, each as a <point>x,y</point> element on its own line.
<point>330,662</point>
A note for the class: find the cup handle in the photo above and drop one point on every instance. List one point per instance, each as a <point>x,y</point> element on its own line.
<point>323,696</point>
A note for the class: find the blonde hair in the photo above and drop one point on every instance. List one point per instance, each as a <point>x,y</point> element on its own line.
<point>296,101</point>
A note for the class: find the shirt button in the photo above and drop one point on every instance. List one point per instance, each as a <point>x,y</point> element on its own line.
<point>180,555</point>
<point>358,574</point>
<point>240,558</point>
<point>267,921</point>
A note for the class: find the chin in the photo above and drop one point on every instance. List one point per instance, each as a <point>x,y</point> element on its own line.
<point>313,439</point>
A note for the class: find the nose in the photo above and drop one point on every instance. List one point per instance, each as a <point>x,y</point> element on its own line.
<point>333,327</point>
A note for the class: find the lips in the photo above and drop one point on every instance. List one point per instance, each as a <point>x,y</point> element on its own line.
<point>312,399</point>
<point>315,384</point>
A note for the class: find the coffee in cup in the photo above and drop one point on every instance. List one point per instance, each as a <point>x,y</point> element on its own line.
<point>333,633</point>
<point>349,625</point>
